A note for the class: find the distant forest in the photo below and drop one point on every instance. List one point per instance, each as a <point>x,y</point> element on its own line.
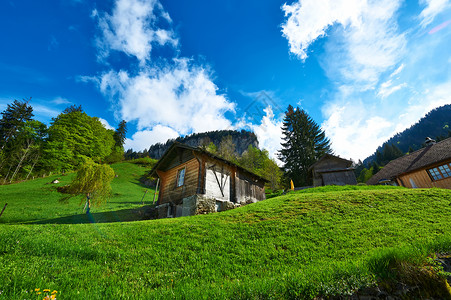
<point>435,125</point>
<point>242,140</point>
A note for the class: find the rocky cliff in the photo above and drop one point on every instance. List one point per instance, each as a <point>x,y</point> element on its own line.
<point>242,139</point>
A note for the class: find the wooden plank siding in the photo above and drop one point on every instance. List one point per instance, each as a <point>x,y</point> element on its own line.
<point>247,188</point>
<point>218,179</point>
<point>422,179</point>
<point>169,192</point>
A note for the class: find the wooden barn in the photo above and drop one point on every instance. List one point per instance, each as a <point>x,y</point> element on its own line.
<point>332,170</point>
<point>194,181</point>
<point>424,168</point>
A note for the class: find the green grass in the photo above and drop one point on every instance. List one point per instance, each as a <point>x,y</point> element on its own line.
<point>39,201</point>
<point>324,241</point>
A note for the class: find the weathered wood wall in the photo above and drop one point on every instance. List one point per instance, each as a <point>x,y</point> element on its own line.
<point>169,192</point>
<point>248,189</point>
<point>339,178</point>
<point>217,180</point>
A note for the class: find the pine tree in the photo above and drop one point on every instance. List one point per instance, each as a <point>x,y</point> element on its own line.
<point>304,143</point>
<point>119,134</point>
<point>13,118</point>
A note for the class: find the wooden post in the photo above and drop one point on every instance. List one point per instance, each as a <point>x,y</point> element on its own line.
<point>156,191</point>
<point>142,200</point>
<point>1,213</point>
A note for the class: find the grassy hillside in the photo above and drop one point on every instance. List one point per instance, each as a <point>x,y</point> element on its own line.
<point>39,201</point>
<point>324,241</point>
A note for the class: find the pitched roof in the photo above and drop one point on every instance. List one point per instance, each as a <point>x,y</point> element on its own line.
<point>172,152</point>
<point>419,159</point>
<point>330,156</point>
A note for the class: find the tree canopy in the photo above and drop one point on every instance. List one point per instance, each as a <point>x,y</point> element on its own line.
<point>304,142</point>
<point>93,181</point>
<point>74,137</point>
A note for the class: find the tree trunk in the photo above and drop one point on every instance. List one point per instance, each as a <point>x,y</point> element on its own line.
<point>20,162</point>
<point>32,167</point>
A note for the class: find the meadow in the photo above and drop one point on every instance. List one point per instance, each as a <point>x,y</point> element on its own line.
<point>305,244</point>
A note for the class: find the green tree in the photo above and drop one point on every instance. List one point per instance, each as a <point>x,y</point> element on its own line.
<point>13,118</point>
<point>29,140</point>
<point>253,159</point>
<point>303,143</point>
<point>227,149</point>
<point>117,153</point>
<point>365,175</point>
<point>74,137</point>
<point>92,181</point>
<point>119,134</point>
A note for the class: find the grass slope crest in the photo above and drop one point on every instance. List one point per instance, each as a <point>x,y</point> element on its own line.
<point>324,242</point>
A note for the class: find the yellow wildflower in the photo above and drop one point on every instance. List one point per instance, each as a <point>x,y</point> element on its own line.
<point>54,292</point>
<point>53,297</point>
<point>38,293</point>
<point>36,290</point>
<point>46,290</point>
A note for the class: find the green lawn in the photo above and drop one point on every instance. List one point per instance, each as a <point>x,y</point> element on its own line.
<point>39,201</point>
<point>324,241</point>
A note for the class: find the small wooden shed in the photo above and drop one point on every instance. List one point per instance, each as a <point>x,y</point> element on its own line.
<point>424,168</point>
<point>332,170</point>
<point>194,181</point>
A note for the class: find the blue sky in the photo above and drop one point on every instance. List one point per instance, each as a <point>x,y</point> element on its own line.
<point>364,70</point>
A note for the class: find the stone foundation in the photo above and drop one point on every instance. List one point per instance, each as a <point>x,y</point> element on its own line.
<point>196,205</point>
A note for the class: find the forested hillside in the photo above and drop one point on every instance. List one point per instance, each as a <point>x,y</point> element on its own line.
<point>242,140</point>
<point>435,124</point>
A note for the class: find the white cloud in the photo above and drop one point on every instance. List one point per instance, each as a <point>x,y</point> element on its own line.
<point>387,88</point>
<point>269,133</point>
<point>309,20</point>
<point>181,96</point>
<point>166,99</point>
<point>363,41</point>
<point>144,139</point>
<point>130,29</point>
<point>398,70</point>
<point>106,124</point>
<point>431,10</point>
<point>44,112</point>
<point>60,100</point>
<point>354,133</point>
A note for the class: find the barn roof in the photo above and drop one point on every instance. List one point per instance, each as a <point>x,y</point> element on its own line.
<point>330,156</point>
<point>173,151</point>
<point>419,159</point>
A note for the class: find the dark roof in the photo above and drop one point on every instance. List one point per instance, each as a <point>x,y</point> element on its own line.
<point>328,156</point>
<point>419,159</point>
<point>172,151</point>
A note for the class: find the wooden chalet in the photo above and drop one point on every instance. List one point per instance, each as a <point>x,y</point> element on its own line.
<point>194,181</point>
<point>424,168</point>
<point>332,170</point>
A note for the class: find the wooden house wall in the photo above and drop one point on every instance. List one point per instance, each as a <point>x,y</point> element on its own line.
<point>421,179</point>
<point>182,157</point>
<point>339,178</point>
<point>247,188</point>
<point>218,180</point>
<point>169,192</point>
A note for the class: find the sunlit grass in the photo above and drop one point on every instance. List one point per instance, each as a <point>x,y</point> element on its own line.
<point>326,241</point>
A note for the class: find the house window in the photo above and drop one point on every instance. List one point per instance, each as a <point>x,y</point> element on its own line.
<point>181,177</point>
<point>440,172</point>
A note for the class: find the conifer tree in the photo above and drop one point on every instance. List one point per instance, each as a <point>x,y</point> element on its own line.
<point>304,143</point>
